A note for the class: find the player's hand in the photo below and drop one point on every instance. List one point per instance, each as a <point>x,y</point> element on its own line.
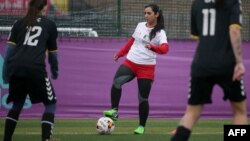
<point>148,46</point>
<point>54,75</point>
<point>115,57</point>
<point>239,71</point>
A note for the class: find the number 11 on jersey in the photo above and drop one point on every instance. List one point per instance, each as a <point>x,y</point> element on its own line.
<point>209,17</point>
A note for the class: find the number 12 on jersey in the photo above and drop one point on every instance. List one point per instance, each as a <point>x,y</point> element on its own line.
<point>32,40</point>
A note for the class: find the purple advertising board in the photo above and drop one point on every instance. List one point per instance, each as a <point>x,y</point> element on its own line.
<point>86,70</point>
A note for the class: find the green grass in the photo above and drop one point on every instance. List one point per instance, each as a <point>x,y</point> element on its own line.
<point>84,129</point>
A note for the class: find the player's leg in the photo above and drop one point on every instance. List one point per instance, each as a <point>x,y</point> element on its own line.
<point>187,123</point>
<point>144,87</point>
<point>234,91</point>
<point>47,121</point>
<point>17,95</point>
<point>239,112</point>
<point>49,100</point>
<point>41,90</point>
<point>12,119</point>
<point>123,75</point>
<point>199,94</point>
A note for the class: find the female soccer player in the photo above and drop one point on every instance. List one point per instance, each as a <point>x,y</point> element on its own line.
<point>148,40</point>
<point>24,67</point>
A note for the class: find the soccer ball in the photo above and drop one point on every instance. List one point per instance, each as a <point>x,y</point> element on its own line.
<point>105,125</point>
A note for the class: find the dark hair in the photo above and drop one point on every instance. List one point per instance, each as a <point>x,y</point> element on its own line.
<point>160,20</point>
<point>218,3</point>
<point>34,9</point>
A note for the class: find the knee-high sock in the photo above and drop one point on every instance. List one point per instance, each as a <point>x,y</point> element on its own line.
<point>115,97</point>
<point>144,86</point>
<point>47,124</point>
<point>10,124</point>
<point>182,134</point>
<point>143,113</point>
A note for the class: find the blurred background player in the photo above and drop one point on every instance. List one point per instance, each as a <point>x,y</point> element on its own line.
<point>218,60</point>
<point>148,39</point>
<point>24,67</point>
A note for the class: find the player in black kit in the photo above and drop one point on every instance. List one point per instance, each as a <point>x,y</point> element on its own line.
<point>217,61</point>
<point>24,67</point>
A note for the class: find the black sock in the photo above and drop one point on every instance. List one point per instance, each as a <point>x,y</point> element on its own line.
<point>143,112</point>
<point>144,87</point>
<point>182,134</point>
<point>115,97</point>
<point>10,124</point>
<point>47,126</point>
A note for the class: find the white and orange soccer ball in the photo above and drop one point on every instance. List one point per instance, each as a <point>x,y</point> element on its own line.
<point>105,125</point>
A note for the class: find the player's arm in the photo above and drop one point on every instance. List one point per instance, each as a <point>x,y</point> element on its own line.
<point>52,49</point>
<point>194,30</point>
<point>125,49</point>
<point>235,37</point>
<point>52,57</point>
<point>53,61</point>
<point>194,27</point>
<point>236,42</point>
<point>9,52</point>
<point>163,46</point>
<point>162,49</point>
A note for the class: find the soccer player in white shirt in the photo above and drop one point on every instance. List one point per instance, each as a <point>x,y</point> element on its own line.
<point>148,40</point>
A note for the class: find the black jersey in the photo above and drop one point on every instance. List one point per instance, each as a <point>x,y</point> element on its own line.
<point>214,54</point>
<point>31,44</point>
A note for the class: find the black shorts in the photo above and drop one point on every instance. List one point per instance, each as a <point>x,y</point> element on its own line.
<point>200,89</point>
<point>38,89</point>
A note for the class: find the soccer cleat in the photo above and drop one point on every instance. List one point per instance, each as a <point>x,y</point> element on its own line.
<point>139,130</point>
<point>111,113</point>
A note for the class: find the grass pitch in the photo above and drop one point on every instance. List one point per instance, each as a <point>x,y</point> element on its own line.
<point>85,130</point>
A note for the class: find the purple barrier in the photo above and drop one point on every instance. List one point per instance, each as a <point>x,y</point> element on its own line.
<point>87,69</point>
